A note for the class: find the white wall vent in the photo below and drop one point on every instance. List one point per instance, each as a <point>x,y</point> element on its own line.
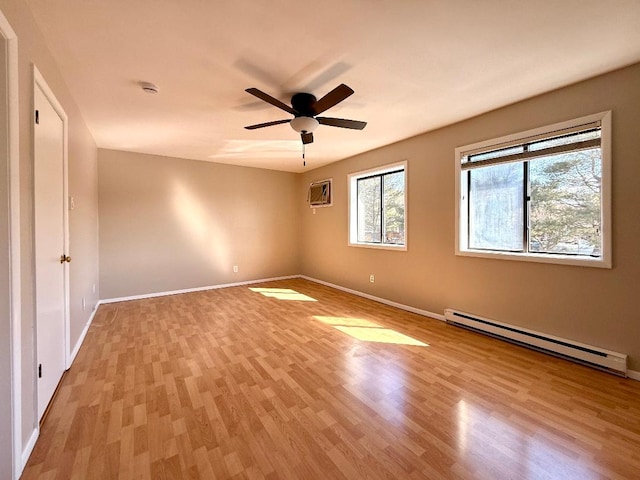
<point>586,354</point>
<point>320,194</point>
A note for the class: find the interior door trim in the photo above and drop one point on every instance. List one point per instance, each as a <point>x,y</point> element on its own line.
<point>15,296</point>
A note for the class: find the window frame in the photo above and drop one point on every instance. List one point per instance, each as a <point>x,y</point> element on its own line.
<point>461,204</point>
<point>352,184</point>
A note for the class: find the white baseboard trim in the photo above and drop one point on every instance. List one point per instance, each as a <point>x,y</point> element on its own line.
<point>401,306</point>
<point>76,349</point>
<point>633,375</point>
<point>191,290</point>
<point>28,448</point>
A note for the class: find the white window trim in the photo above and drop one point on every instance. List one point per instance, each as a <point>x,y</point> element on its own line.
<point>352,195</point>
<point>605,261</point>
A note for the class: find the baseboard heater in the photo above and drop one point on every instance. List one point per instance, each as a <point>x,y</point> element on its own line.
<point>586,354</point>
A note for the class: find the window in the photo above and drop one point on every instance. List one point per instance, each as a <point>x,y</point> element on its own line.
<point>542,195</point>
<point>377,207</point>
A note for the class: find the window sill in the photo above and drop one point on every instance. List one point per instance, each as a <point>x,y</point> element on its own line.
<point>539,258</point>
<point>380,246</point>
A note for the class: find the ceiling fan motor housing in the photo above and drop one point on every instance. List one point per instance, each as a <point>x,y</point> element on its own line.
<point>303,104</point>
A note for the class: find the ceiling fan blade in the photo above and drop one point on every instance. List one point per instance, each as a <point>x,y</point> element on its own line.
<point>307,137</point>
<point>268,124</point>
<point>332,98</point>
<point>342,122</point>
<point>269,99</point>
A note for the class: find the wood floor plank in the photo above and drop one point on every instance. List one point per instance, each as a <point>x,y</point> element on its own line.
<point>260,382</point>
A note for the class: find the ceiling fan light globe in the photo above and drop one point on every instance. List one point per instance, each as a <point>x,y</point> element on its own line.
<point>304,124</point>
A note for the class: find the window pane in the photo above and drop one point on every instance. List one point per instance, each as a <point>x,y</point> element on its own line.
<point>394,208</point>
<point>565,205</point>
<point>496,207</point>
<point>370,210</point>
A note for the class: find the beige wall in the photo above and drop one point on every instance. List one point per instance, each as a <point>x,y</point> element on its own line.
<point>83,229</point>
<point>169,224</point>
<point>82,185</point>
<point>590,305</point>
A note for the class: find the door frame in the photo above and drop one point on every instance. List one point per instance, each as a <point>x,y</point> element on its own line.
<point>40,82</point>
<point>15,295</point>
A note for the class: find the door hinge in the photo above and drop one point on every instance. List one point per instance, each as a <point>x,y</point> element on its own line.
<point>37,117</point>
<point>39,370</point>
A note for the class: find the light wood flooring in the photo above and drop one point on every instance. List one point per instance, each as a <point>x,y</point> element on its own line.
<point>238,383</point>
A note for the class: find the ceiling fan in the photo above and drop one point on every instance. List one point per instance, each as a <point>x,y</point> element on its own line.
<point>305,108</point>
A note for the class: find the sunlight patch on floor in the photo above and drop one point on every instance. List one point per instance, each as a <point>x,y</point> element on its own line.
<point>369,331</point>
<point>347,322</point>
<point>283,294</point>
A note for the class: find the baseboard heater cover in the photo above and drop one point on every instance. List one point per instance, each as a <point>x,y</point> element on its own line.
<point>586,354</point>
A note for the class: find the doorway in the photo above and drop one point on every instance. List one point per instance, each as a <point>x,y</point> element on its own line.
<point>51,234</point>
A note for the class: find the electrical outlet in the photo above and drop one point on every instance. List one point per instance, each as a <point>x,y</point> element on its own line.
<point>235,269</point>
<point>84,304</point>
<point>372,278</point>
<point>94,288</point>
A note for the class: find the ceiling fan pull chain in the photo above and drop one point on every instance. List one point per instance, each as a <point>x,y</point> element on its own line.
<point>304,162</point>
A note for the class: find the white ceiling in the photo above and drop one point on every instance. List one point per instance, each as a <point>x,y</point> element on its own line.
<point>415,65</point>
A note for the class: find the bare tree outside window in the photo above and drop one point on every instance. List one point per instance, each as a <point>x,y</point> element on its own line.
<point>565,206</point>
<point>369,210</point>
<point>394,208</point>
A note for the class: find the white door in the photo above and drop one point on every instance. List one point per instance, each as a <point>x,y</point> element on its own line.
<point>50,254</point>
